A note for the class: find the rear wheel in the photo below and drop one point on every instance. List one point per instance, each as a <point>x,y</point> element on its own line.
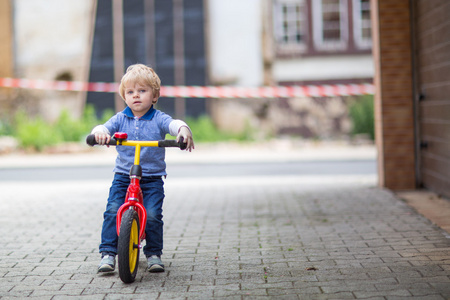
<point>128,246</point>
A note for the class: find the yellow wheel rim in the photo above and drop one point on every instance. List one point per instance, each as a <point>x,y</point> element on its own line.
<point>134,242</point>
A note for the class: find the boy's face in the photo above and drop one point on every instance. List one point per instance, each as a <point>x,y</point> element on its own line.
<point>139,99</point>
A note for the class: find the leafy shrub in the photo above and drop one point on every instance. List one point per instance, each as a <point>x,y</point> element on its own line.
<point>5,127</point>
<point>204,130</point>
<point>363,116</point>
<point>35,133</point>
<point>70,129</point>
<point>73,130</point>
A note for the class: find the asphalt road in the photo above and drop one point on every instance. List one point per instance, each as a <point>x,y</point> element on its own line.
<point>300,168</point>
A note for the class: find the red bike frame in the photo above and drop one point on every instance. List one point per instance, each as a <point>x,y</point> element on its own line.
<point>133,200</point>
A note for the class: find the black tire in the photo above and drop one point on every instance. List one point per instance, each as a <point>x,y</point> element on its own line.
<point>128,246</point>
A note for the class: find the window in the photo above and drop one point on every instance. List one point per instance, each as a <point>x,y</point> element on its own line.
<point>361,24</point>
<point>290,25</point>
<point>330,21</point>
<point>321,27</point>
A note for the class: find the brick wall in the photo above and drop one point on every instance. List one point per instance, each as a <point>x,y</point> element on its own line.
<point>432,36</point>
<point>394,105</point>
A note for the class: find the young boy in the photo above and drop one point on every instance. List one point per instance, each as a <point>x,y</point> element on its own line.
<point>139,88</point>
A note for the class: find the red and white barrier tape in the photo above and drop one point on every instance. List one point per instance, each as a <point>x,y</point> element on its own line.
<point>59,85</point>
<point>202,91</point>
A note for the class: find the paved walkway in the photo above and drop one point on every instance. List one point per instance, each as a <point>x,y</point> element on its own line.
<point>264,239</point>
<point>228,238</point>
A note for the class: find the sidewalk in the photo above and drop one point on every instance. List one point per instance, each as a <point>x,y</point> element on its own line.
<point>239,238</point>
<point>227,240</point>
<point>281,150</point>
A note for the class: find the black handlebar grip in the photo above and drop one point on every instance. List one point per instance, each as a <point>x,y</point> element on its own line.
<point>90,140</point>
<point>183,145</point>
<point>172,143</point>
<point>167,143</point>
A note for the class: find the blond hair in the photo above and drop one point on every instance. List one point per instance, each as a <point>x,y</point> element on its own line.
<point>143,75</point>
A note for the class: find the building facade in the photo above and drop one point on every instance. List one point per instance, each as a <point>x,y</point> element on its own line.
<point>322,41</point>
<point>45,40</point>
<point>267,42</point>
<point>289,42</point>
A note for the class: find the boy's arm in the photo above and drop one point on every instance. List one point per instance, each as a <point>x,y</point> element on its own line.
<point>100,128</point>
<point>180,129</point>
<point>103,132</point>
<point>175,126</point>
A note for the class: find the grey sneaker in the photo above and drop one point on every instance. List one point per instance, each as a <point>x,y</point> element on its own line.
<point>155,264</point>
<point>107,264</point>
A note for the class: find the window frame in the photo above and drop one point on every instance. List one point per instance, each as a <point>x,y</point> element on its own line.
<point>290,47</point>
<point>318,34</point>
<point>358,26</point>
<point>313,43</point>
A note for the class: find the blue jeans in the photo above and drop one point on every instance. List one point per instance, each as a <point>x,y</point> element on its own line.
<point>153,192</point>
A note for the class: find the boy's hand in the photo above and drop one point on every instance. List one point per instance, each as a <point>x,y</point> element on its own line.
<point>186,134</point>
<point>102,138</point>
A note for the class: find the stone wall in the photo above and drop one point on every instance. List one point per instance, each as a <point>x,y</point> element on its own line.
<point>322,118</point>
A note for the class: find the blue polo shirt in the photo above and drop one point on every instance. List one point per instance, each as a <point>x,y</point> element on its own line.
<point>152,126</point>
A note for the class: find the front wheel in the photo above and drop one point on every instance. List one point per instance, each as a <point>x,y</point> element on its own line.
<point>128,246</point>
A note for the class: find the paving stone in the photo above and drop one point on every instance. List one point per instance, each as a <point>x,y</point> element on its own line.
<point>229,240</point>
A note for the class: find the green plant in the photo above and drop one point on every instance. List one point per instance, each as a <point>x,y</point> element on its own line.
<point>70,129</point>
<point>204,130</point>
<point>35,133</point>
<point>107,114</point>
<point>73,130</point>
<point>5,127</point>
<point>89,116</point>
<point>362,116</point>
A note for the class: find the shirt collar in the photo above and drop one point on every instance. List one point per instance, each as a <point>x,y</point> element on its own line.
<point>148,115</point>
